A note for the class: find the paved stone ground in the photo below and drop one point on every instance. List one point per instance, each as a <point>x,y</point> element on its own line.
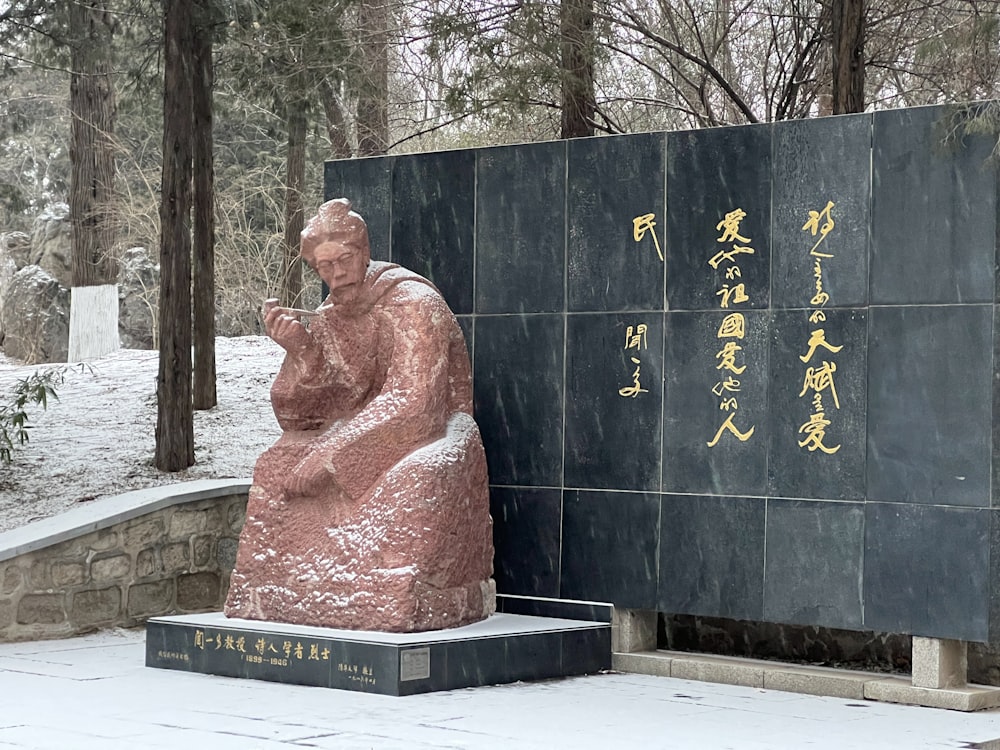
<point>94,692</point>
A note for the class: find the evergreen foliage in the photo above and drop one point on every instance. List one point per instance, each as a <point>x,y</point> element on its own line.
<point>34,390</point>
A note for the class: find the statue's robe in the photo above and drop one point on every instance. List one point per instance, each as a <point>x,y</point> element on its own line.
<point>400,538</point>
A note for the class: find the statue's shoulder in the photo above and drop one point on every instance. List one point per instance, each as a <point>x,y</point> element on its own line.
<point>395,285</point>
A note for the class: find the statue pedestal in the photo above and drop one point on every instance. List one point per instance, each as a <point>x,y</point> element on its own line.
<point>504,648</point>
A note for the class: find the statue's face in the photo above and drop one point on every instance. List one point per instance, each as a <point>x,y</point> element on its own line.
<point>342,267</point>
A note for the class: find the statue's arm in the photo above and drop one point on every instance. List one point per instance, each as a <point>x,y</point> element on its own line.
<point>297,393</point>
<point>411,409</point>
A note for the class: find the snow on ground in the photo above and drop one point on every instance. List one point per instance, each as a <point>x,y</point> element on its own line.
<point>98,438</point>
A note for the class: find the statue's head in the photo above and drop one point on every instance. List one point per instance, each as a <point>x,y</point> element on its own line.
<point>335,245</point>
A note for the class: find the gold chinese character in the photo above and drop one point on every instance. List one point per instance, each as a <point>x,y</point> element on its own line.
<point>716,260</point>
<point>733,327</point>
<point>727,358</point>
<point>729,404</point>
<point>260,646</point>
<point>298,650</point>
<point>733,272</point>
<point>314,651</point>
<point>230,643</point>
<point>636,340</point>
<point>730,227</point>
<point>812,225</point>
<point>817,339</point>
<point>241,644</point>
<point>199,638</point>
<point>819,379</point>
<point>818,316</point>
<point>737,293</point>
<point>730,384</point>
<point>633,390</point>
<point>815,431</point>
<point>728,425</point>
<point>639,226</point>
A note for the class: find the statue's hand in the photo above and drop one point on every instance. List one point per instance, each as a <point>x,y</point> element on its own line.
<point>286,329</point>
<point>310,478</point>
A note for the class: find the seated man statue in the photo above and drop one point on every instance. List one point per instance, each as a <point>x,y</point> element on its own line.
<point>371,512</point>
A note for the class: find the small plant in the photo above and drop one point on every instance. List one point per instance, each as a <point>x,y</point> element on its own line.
<point>34,390</point>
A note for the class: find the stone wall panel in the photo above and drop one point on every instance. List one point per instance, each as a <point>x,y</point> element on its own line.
<point>176,556</point>
<point>66,574</point>
<point>198,591</point>
<point>113,568</point>
<point>149,599</point>
<point>144,532</point>
<point>12,579</point>
<point>41,609</point>
<point>97,606</point>
<point>147,563</point>
<point>203,550</point>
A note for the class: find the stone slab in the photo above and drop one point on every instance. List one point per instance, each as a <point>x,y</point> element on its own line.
<point>793,678</point>
<point>647,662</point>
<point>501,649</point>
<point>900,690</point>
<point>834,683</point>
<point>726,671</point>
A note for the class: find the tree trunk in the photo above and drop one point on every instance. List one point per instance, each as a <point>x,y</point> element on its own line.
<point>336,126</point>
<point>848,47</point>
<point>295,181</point>
<point>576,34</point>
<point>205,396</point>
<point>373,96</point>
<point>174,417</point>
<point>94,308</point>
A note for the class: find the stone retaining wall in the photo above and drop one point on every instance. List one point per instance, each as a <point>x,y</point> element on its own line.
<point>170,560</point>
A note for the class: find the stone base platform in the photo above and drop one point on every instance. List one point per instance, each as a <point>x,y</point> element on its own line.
<point>504,648</point>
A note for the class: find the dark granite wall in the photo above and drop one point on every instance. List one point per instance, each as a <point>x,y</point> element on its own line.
<point>743,372</point>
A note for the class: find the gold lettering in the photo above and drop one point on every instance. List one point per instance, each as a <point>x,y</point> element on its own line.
<point>642,224</point>
<point>733,327</point>
<point>815,431</point>
<point>816,340</point>
<point>727,357</point>
<point>736,295</point>
<point>730,227</point>
<point>819,379</point>
<point>635,389</point>
<point>730,384</point>
<point>716,260</point>
<point>812,225</point>
<point>636,340</point>
<point>728,425</point>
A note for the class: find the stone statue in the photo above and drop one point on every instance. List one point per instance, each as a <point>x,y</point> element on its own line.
<point>371,512</point>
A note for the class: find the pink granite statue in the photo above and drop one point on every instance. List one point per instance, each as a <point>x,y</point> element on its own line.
<point>371,512</point>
